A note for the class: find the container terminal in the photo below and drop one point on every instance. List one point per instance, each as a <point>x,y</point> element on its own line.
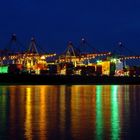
<point>71,63</point>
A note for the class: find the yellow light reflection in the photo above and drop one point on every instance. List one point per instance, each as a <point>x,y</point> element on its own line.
<point>42,113</point>
<point>62,108</point>
<point>82,118</point>
<point>28,118</point>
<point>12,104</point>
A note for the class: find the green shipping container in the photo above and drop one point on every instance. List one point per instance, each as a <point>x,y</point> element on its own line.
<point>4,69</point>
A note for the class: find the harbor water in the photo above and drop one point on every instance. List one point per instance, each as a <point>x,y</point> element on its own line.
<point>69,112</point>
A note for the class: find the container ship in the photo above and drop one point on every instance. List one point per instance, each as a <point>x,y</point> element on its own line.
<point>73,66</point>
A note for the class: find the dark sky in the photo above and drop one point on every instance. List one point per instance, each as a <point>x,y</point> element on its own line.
<point>55,22</point>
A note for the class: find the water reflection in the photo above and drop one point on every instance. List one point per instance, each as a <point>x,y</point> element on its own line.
<point>3,114</point>
<point>28,114</point>
<point>99,113</point>
<point>69,112</point>
<point>115,127</point>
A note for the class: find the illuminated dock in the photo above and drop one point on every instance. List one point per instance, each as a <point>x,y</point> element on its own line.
<point>72,61</point>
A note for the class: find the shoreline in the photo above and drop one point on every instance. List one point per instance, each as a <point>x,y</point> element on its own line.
<point>10,79</point>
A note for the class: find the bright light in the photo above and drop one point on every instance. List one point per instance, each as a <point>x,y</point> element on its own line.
<point>114,60</point>
<point>43,57</point>
<point>99,61</point>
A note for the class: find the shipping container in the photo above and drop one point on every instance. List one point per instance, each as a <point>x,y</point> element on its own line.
<point>3,69</point>
<point>137,71</point>
<point>83,70</point>
<point>52,69</point>
<point>131,71</point>
<point>69,69</point>
<point>90,70</point>
<point>99,70</point>
<point>15,68</point>
<point>112,69</point>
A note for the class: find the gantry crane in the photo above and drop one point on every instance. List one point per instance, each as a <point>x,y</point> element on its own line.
<point>31,58</point>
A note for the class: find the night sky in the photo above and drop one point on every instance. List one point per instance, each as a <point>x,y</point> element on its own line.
<point>55,22</point>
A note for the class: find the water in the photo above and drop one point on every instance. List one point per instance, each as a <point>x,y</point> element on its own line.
<point>85,112</point>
